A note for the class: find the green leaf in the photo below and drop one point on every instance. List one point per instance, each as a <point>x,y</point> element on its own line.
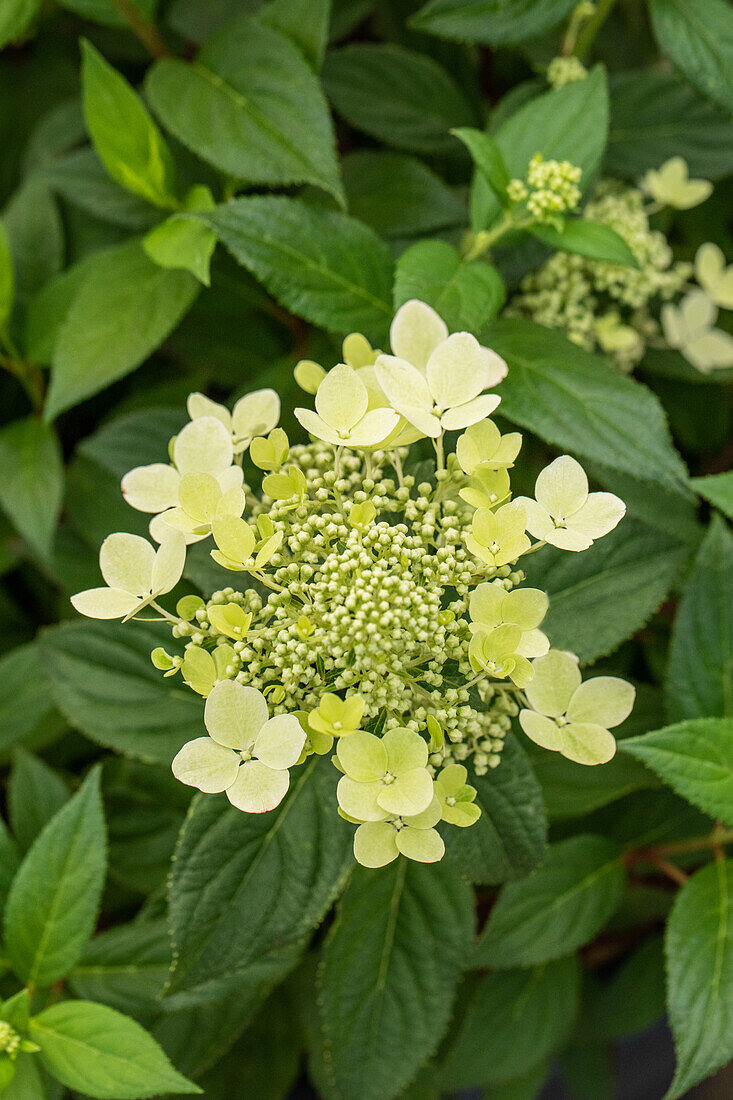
<point>7,278</point>
<point>632,1000</point>
<point>129,144</point>
<point>116,320</point>
<point>270,879</point>
<point>467,296</point>
<point>323,266</point>
<point>655,116</point>
<point>53,901</point>
<point>525,1087</point>
<point>35,235</point>
<point>15,18</point>
<point>696,759</point>
<point>569,123</point>
<point>104,683</point>
<point>494,22</point>
<point>9,863</point>
<point>378,1023</point>
<point>272,121</point>
<point>558,908</point>
<point>575,400</point>
<point>601,597</point>
<point>94,1049</point>
<point>398,96</point>
<point>509,838</point>
<point>31,480</point>
<point>718,489</point>
<point>35,794</point>
<point>699,952</point>
<point>670,510</point>
<point>593,240</point>
<point>126,968</point>
<point>700,669</point>
<point>306,22</point>
<point>487,157</point>
<point>515,1020</point>
<point>105,11</point>
<point>399,196</point>
<point>81,179</point>
<point>699,43</point>
<point>183,243</point>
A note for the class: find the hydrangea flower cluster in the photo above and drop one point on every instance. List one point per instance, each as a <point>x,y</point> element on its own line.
<point>551,189</point>
<point>382,619</point>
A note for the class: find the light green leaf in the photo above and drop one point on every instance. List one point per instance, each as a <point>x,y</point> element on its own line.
<point>601,597</point>
<point>699,42</point>
<point>271,879</point>
<point>35,794</point>
<point>16,17</point>
<point>35,235</point>
<point>401,97</point>
<point>53,901</point>
<point>494,22</point>
<point>323,266</point>
<point>31,480</point>
<point>718,489</point>
<point>509,838</point>
<point>575,400</point>
<point>467,296</point>
<point>129,144</point>
<point>487,157</point>
<point>655,116</point>
<point>699,952</point>
<point>183,243</point>
<point>586,238</point>
<point>7,278</point>
<point>377,1023</point>
<point>515,1020</point>
<point>700,669</point>
<point>399,196</point>
<point>558,908</point>
<point>97,1050</point>
<point>103,681</point>
<point>116,320</point>
<point>272,121</point>
<point>696,759</point>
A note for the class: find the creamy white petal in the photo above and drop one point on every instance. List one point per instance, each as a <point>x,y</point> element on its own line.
<point>280,741</point>
<point>539,520</point>
<point>562,487</point>
<point>556,677</point>
<point>599,515</point>
<point>314,425</point>
<point>126,562</point>
<point>416,331</point>
<point>604,700</point>
<point>105,603</point>
<point>235,714</point>
<point>258,788</point>
<point>256,413</point>
<point>204,764</point>
<point>404,385</point>
<point>463,416</point>
<point>457,371</point>
<point>203,447</point>
<point>373,428</point>
<point>169,562</point>
<point>342,399</point>
<point>199,404</point>
<point>151,488</point>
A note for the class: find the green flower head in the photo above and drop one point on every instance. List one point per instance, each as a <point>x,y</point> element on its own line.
<point>384,777</point>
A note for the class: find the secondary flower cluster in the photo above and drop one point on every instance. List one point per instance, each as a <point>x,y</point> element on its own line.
<point>551,188</point>
<point>383,619</point>
<point>613,308</point>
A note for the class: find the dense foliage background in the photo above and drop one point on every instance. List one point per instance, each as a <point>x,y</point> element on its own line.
<point>314,147</point>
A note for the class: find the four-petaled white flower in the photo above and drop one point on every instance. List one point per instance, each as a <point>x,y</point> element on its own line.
<point>384,776</point>
<point>670,184</point>
<point>571,717</point>
<point>256,413</point>
<point>491,606</point>
<point>136,574</point>
<point>436,381</point>
<point>564,513</point>
<point>713,275</point>
<point>377,843</point>
<point>689,327</point>
<point>343,416</point>
<point>247,754</point>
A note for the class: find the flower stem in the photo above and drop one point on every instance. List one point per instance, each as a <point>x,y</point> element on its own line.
<point>143,28</point>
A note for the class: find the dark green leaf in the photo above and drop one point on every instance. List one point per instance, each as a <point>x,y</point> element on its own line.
<point>495,22</point>
<point>81,179</point>
<point>53,901</point>
<point>467,296</point>
<point>558,908</point>
<point>718,489</point>
<point>699,42</point>
<point>699,951</point>
<point>593,240</point>
<point>7,278</point>
<point>9,862</point>
<point>487,157</point>
<point>700,670</point>
<point>31,480</point>
<point>35,235</point>
<point>15,18</point>
<point>126,968</point>
<point>399,196</point>
<point>378,1020</point>
<point>35,794</point>
<point>632,1000</point>
<point>303,21</point>
<point>106,11</point>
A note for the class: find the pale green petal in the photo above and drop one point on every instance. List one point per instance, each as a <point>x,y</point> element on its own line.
<point>556,678</point>
<point>462,814</point>
<point>422,845</point>
<point>425,423</point>
<point>359,800</point>
<point>452,779</point>
<point>317,427</point>
<point>199,670</point>
<point>562,487</point>
<point>203,447</point>
<point>126,562</point>
<point>543,731</point>
<point>410,793</point>
<point>105,603</point>
<point>512,520</point>
<point>231,503</point>
<point>374,844</point>
<point>199,405</point>
<point>533,643</point>
<point>526,607</point>
<point>587,743</point>
<point>463,416</point>
<point>258,788</point>
<point>496,367</point>
<point>486,604</point>
<point>507,451</point>
<point>488,488</point>
<point>713,275</point>
<point>231,478</point>
<point>502,641</point>
<point>373,428</point>
<point>521,673</point>
<point>405,750</point>
<point>204,764</point>
<point>168,564</point>
<point>199,495</point>
<point>151,488</point>
<point>342,399</point>
<point>457,371</point>
<point>415,332</point>
<point>362,755</point>
<point>479,550</point>
<point>599,515</point>
<point>477,445</point>
<point>566,538</point>
<point>539,520</point>
<point>427,818</point>
<point>175,519</point>
<point>309,375</point>
<point>234,537</point>
<point>710,351</point>
<point>235,714</point>
<point>403,384</point>
<point>280,741</point>
<point>256,413</point>
<point>352,711</point>
<point>485,526</point>
<point>357,351</point>
<point>605,701</point>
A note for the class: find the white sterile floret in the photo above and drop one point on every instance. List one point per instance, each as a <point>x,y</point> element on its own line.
<point>672,186</point>
<point>713,275</point>
<point>136,574</point>
<point>571,717</point>
<point>564,513</point>
<point>201,498</point>
<point>247,754</point>
<point>384,777</point>
<point>377,843</point>
<point>689,327</point>
<point>343,416</point>
<point>256,413</point>
<point>491,606</point>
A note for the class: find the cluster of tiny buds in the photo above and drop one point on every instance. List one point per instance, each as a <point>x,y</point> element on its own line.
<point>9,1039</point>
<point>551,188</point>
